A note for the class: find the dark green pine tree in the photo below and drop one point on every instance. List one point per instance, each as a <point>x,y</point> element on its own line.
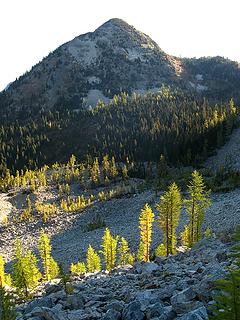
<point>227,305</point>
<point>7,307</point>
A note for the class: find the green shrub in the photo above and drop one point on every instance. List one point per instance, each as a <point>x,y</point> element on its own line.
<point>78,268</point>
<point>227,301</point>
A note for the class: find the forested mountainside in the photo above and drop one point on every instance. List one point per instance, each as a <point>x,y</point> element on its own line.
<point>114,58</point>
<point>108,209</point>
<point>179,126</point>
<point>144,103</point>
<point>217,77</point>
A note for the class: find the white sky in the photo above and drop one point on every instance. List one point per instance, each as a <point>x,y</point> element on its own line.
<point>30,29</point>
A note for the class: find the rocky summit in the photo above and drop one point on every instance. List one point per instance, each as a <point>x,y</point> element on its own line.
<point>112,59</point>
<point>179,287</point>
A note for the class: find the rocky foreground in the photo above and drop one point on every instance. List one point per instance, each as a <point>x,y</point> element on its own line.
<point>178,287</point>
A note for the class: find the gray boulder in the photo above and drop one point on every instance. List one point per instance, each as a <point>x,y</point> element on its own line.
<point>182,302</point>
<point>183,296</point>
<point>133,311</point>
<point>52,287</point>
<point>166,292</point>
<point>116,305</point>
<point>197,314</point>
<point>147,268</point>
<point>76,315</point>
<point>43,302</point>
<point>168,314</point>
<point>155,310</point>
<point>74,302</point>
<point>147,297</point>
<point>47,314</point>
<point>112,314</point>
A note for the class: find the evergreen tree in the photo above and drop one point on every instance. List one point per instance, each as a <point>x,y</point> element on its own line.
<point>198,202</point>
<point>141,252</point>
<point>82,170</point>
<point>227,305</point>
<point>72,161</point>
<point>18,270</point>
<point>7,307</point>
<point>125,257</point>
<point>95,172</point>
<point>125,172</point>
<point>113,169</point>
<point>54,269</point>
<point>162,168</point>
<point>227,301</point>
<point>2,272</point>
<point>50,266</point>
<point>93,260</point>
<point>161,250</point>
<point>145,225</point>
<point>185,236</point>
<point>65,278</point>
<point>25,272</point>
<point>109,249</point>
<point>169,209</point>
<point>106,166</point>
<point>32,273</point>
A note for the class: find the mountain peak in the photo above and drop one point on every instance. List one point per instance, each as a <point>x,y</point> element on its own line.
<point>123,35</point>
<point>115,57</point>
<point>115,22</point>
<point>115,27</point>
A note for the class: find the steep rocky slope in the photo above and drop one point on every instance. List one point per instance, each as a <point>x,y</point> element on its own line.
<point>227,156</point>
<point>114,58</point>
<point>69,234</point>
<point>180,287</point>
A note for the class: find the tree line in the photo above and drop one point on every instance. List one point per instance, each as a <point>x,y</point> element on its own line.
<point>182,127</point>
<point>87,176</point>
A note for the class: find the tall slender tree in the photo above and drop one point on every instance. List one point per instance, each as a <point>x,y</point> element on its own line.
<point>106,166</point>
<point>125,256</point>
<point>169,209</point>
<point>113,169</point>
<point>145,225</point>
<point>95,171</point>
<point>198,201</point>
<point>49,264</point>
<point>2,272</point>
<point>109,249</point>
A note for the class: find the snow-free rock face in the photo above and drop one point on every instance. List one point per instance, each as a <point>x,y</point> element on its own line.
<point>114,58</point>
<point>130,293</point>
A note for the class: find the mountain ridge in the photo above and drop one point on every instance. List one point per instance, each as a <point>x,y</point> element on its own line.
<point>112,59</point>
